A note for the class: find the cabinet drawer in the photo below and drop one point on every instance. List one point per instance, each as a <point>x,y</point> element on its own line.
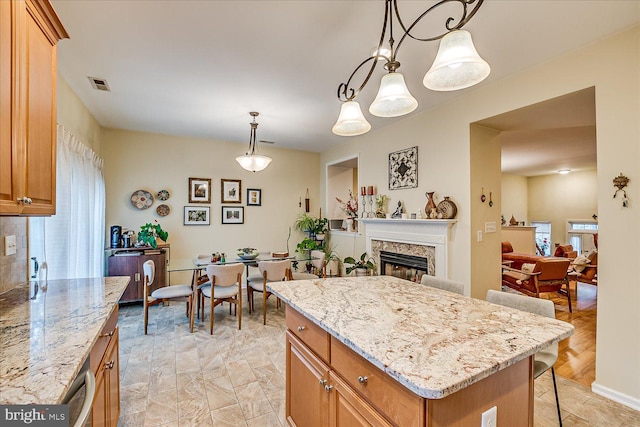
<point>400,405</point>
<point>316,338</point>
<point>99,348</point>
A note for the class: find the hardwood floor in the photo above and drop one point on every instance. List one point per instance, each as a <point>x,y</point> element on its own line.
<point>577,354</point>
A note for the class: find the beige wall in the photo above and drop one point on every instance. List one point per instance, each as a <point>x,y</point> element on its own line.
<point>557,198</point>
<point>514,197</point>
<point>76,118</point>
<point>138,160</point>
<point>443,136</point>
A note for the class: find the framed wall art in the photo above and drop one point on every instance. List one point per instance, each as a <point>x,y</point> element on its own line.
<point>231,190</point>
<point>403,169</point>
<point>254,197</point>
<point>232,215</point>
<point>197,215</point>
<point>199,190</point>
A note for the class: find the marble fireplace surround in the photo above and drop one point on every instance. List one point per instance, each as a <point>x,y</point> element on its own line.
<point>421,237</point>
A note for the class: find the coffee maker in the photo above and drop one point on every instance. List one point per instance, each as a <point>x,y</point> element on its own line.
<point>116,236</point>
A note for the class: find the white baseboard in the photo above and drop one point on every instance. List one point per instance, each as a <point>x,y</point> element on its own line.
<point>616,396</point>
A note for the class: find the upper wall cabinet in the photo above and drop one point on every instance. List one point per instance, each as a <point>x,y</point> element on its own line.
<point>29,32</point>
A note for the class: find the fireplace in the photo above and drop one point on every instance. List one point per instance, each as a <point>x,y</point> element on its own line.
<point>408,267</point>
<point>424,238</point>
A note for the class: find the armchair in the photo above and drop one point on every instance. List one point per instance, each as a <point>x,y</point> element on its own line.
<point>586,273</point>
<point>547,275</point>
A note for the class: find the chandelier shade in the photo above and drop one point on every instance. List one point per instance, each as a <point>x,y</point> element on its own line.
<point>393,97</point>
<point>250,160</point>
<point>457,64</point>
<point>351,121</point>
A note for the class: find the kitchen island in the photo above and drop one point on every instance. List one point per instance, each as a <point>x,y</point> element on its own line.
<point>393,352</point>
<point>47,336</point>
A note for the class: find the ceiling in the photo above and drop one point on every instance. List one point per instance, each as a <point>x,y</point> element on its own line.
<point>197,68</point>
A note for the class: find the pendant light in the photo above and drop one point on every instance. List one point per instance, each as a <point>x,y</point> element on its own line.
<point>393,97</point>
<point>351,121</point>
<point>457,64</point>
<point>250,160</point>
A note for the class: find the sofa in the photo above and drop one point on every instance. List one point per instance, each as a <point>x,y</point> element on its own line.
<point>516,258</point>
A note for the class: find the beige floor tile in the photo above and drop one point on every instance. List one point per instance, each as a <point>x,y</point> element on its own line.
<point>190,386</point>
<point>266,420</point>
<point>133,397</point>
<point>229,416</point>
<point>162,407</point>
<point>131,420</point>
<point>220,392</point>
<point>240,372</point>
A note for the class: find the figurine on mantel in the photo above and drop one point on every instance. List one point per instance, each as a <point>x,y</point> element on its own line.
<point>398,212</point>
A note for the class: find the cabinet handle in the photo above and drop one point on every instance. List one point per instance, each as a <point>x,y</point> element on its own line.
<point>19,200</point>
<point>28,200</point>
<point>109,365</point>
<point>323,383</point>
<point>362,380</point>
<point>328,388</point>
<point>301,328</point>
<point>110,334</point>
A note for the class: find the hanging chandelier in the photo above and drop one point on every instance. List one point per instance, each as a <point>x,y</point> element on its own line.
<point>457,66</point>
<point>250,160</point>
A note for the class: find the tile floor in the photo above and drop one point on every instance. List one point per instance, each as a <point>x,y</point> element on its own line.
<point>237,378</point>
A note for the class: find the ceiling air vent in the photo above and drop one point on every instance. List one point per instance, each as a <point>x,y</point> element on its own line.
<point>99,84</point>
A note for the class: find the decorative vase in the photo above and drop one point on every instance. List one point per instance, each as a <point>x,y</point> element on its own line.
<point>360,272</point>
<point>349,224</point>
<point>430,203</point>
<point>447,209</point>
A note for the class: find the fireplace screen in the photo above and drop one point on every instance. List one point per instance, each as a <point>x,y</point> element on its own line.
<point>408,267</point>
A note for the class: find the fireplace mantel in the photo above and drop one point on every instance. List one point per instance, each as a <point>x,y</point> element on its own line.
<point>424,232</point>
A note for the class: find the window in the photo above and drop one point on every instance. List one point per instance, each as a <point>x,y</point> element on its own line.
<point>580,235</point>
<point>543,237</point>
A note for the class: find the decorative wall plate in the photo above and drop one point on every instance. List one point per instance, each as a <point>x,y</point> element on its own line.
<point>447,208</point>
<point>163,210</point>
<point>141,199</point>
<point>163,195</point>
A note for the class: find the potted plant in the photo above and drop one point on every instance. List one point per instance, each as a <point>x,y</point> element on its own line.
<point>306,246</point>
<point>149,232</point>
<point>361,266</point>
<point>320,227</point>
<point>305,223</point>
<point>332,262</point>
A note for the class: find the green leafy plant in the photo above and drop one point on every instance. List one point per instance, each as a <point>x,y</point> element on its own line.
<point>305,222</point>
<point>149,232</point>
<point>307,244</point>
<point>320,226</point>
<point>364,262</point>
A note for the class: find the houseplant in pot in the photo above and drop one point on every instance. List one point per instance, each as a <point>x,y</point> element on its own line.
<point>362,266</point>
<point>320,228</point>
<point>305,223</point>
<point>150,232</point>
<point>305,247</point>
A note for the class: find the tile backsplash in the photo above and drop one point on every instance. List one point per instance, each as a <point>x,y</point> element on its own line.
<point>13,268</point>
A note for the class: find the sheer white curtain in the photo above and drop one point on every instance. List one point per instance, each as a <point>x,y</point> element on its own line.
<point>72,241</point>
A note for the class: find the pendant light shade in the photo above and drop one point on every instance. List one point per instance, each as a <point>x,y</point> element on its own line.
<point>457,64</point>
<point>393,97</point>
<point>250,160</point>
<point>351,121</point>
<point>253,162</point>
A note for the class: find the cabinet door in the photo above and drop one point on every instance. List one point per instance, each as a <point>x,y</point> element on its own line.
<point>112,381</point>
<point>40,181</point>
<point>307,400</point>
<point>126,266</point>
<point>9,155</point>
<point>100,404</point>
<point>349,409</point>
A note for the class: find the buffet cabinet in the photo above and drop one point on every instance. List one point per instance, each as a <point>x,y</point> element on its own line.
<point>104,363</point>
<point>29,32</point>
<point>130,264</point>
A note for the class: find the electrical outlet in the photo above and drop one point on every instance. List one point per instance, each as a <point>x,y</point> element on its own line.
<point>479,235</point>
<point>9,245</point>
<point>490,417</point>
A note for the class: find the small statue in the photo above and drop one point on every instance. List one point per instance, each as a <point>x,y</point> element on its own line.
<point>398,212</point>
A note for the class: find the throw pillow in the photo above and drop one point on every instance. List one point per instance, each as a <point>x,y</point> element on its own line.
<point>580,263</point>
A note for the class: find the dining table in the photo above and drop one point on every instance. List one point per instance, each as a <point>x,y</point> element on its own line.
<point>197,265</point>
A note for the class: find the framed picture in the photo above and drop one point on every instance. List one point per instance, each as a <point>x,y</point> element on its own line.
<point>403,169</point>
<point>231,191</point>
<point>232,215</point>
<point>199,190</point>
<point>254,197</point>
<point>197,215</point>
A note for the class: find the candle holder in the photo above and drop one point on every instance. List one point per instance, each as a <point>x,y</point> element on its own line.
<point>364,206</point>
<point>371,213</point>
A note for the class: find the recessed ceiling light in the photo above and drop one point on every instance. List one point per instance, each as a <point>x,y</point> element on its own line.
<point>564,171</point>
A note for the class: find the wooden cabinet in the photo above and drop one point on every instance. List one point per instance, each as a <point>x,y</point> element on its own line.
<point>131,265</point>
<point>29,32</point>
<point>104,363</point>
<point>316,394</point>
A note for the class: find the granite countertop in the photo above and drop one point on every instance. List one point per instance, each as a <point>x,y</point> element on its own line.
<point>45,341</point>
<point>432,341</point>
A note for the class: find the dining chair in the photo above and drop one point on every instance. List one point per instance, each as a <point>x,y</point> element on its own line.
<point>225,284</point>
<point>270,271</point>
<point>164,293</point>
<point>546,357</point>
<point>444,284</point>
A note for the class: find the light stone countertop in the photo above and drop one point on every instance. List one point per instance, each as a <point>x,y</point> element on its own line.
<point>45,341</point>
<point>432,341</point>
